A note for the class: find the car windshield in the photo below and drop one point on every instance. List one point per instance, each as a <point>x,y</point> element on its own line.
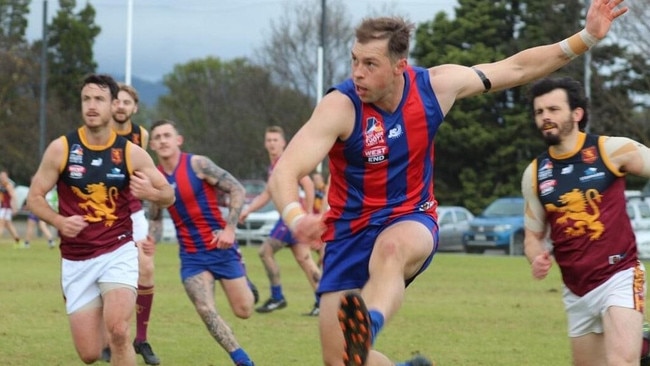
<point>505,207</point>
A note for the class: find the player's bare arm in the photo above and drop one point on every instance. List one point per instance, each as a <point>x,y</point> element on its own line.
<point>452,82</point>
<point>307,185</point>
<point>145,139</point>
<point>258,202</point>
<point>628,156</point>
<point>220,178</point>
<point>332,119</point>
<point>44,180</point>
<point>147,182</point>
<point>534,218</point>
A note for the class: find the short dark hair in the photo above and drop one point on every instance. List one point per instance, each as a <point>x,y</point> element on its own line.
<point>276,129</point>
<point>162,122</point>
<point>104,81</point>
<point>574,91</point>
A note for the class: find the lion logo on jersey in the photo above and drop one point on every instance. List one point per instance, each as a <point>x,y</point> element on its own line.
<point>97,203</point>
<point>575,204</point>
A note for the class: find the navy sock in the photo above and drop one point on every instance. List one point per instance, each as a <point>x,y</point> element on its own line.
<point>239,356</point>
<point>276,292</point>
<point>376,323</point>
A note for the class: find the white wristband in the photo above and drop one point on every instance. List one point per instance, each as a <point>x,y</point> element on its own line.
<point>292,213</point>
<point>589,40</point>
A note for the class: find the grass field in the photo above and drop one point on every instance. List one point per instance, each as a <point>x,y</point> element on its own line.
<point>464,310</point>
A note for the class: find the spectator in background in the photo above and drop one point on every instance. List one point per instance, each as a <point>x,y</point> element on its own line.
<point>8,207</point>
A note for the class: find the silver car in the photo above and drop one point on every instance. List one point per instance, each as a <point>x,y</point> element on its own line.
<point>453,221</point>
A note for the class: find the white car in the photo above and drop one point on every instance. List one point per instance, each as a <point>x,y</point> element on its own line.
<point>21,197</point>
<point>639,212</point>
<point>258,225</point>
<point>168,229</point>
<point>453,222</point>
<point>643,243</point>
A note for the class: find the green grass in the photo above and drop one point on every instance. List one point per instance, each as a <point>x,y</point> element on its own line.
<point>464,310</point>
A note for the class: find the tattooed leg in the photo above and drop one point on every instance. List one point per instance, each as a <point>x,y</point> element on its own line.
<point>267,255</point>
<point>200,289</point>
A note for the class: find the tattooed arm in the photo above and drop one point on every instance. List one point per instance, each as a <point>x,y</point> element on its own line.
<point>155,222</point>
<point>222,180</point>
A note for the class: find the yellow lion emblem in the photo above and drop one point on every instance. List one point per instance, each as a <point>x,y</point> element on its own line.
<point>575,204</point>
<point>97,203</point>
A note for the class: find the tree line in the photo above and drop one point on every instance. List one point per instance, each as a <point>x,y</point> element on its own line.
<point>223,106</point>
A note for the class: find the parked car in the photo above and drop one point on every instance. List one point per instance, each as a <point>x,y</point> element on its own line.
<point>499,226</point>
<point>639,212</point>
<point>453,222</point>
<point>21,199</point>
<point>168,228</point>
<point>258,225</point>
<point>643,243</point>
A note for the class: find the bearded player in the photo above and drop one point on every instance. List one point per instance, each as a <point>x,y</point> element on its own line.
<point>122,124</point>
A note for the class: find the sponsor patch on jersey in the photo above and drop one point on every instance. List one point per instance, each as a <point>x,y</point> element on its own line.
<point>547,187</point>
<point>76,171</point>
<point>116,155</point>
<point>545,170</point>
<point>589,155</point>
<point>375,149</point>
<point>592,174</point>
<point>115,173</point>
<point>567,169</point>
<point>395,132</point>
<point>76,155</point>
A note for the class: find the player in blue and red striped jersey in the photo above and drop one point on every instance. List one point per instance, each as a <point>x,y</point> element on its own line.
<point>280,237</point>
<point>208,250</point>
<point>378,128</point>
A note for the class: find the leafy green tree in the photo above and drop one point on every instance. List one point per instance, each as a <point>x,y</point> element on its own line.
<point>70,43</point>
<point>13,23</point>
<point>18,98</point>
<point>222,109</point>
<point>476,147</point>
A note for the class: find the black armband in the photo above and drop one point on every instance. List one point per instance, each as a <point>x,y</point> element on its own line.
<point>486,82</point>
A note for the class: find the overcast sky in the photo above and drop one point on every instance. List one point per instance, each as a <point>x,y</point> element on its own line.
<point>170,32</point>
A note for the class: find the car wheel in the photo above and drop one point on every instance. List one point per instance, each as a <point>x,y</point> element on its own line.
<point>471,250</point>
<point>517,244</point>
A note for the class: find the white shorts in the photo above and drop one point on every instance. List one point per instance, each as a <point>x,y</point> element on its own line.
<point>140,225</point>
<point>625,289</point>
<point>80,279</point>
<point>6,214</point>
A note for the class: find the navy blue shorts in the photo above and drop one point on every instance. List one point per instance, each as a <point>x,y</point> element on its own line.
<point>282,233</point>
<point>223,264</point>
<point>345,265</point>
